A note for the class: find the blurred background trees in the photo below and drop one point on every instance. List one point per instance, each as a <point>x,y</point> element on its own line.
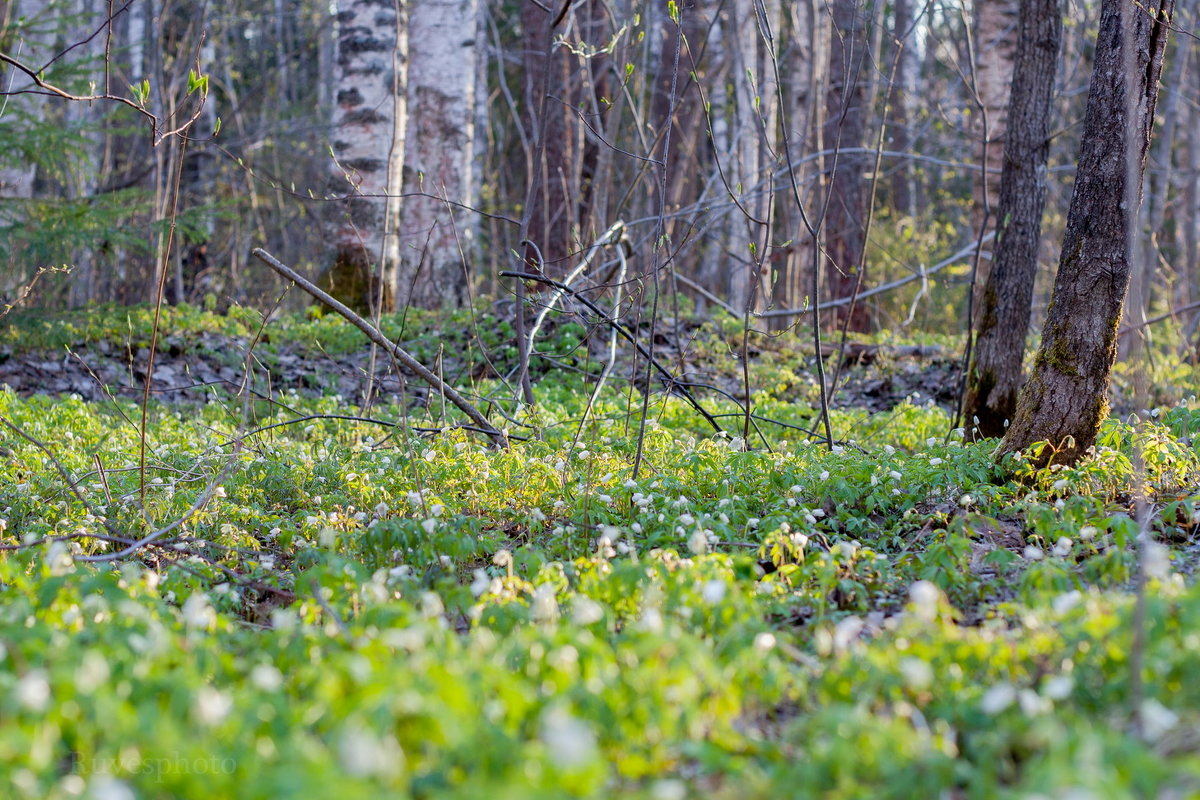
<point>450,140</point>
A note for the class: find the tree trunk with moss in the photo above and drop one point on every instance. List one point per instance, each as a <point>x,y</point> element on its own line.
<point>996,373</point>
<point>1065,399</point>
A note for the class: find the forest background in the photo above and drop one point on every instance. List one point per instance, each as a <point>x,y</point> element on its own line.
<point>716,151</point>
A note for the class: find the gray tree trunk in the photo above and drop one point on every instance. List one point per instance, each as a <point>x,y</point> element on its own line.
<point>845,129</point>
<point>1065,399</point>
<point>996,24</point>
<point>437,239</point>
<point>1003,319</point>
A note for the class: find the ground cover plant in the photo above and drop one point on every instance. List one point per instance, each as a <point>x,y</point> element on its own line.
<point>299,596</point>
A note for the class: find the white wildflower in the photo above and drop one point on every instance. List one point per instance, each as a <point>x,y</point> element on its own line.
<point>58,558</point>
<point>669,789</point>
<point>198,612</point>
<point>846,632</point>
<point>764,641</point>
<point>925,598</point>
<point>1156,560</point>
<point>1062,547</point>
<point>106,787</point>
<point>918,675</point>
<point>92,672</point>
<point>586,611</point>
<point>33,690</point>
<point>363,754</point>
<point>1032,703</point>
<point>1031,553</point>
<point>714,591</point>
<point>569,740</point>
<point>266,677</point>
<point>1066,601</point>
<point>1157,720</point>
<point>698,542</point>
<point>545,604</point>
<point>212,705</point>
<point>651,620</point>
<point>998,698</point>
<point>503,558</point>
<point>480,583</point>
<point>1058,688</point>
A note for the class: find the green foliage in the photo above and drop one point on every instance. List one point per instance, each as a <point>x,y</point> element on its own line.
<point>426,616</point>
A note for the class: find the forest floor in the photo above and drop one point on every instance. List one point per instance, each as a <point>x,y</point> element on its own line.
<point>290,594</point>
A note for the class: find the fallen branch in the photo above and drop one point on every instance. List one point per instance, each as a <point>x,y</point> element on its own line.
<point>399,353</point>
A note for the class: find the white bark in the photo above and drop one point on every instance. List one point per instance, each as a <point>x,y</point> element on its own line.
<point>368,137</point>
<point>440,154</point>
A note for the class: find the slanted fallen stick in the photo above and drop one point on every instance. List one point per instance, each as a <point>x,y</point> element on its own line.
<point>378,338</point>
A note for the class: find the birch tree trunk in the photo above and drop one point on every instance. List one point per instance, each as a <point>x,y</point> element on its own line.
<point>1065,399</point>
<point>1007,297</point>
<point>369,124</point>
<point>438,239</point>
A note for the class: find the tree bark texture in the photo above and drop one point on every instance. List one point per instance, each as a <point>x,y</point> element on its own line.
<point>749,165</point>
<point>996,26</point>
<point>368,143</point>
<point>845,128</point>
<point>1007,296</point>
<point>1065,399</point>
<point>439,155</point>
<point>903,107</point>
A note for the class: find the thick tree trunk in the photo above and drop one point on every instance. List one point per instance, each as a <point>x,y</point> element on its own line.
<point>368,143</point>
<point>845,129</point>
<point>1065,400</point>
<point>1003,319</point>
<point>440,154</point>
